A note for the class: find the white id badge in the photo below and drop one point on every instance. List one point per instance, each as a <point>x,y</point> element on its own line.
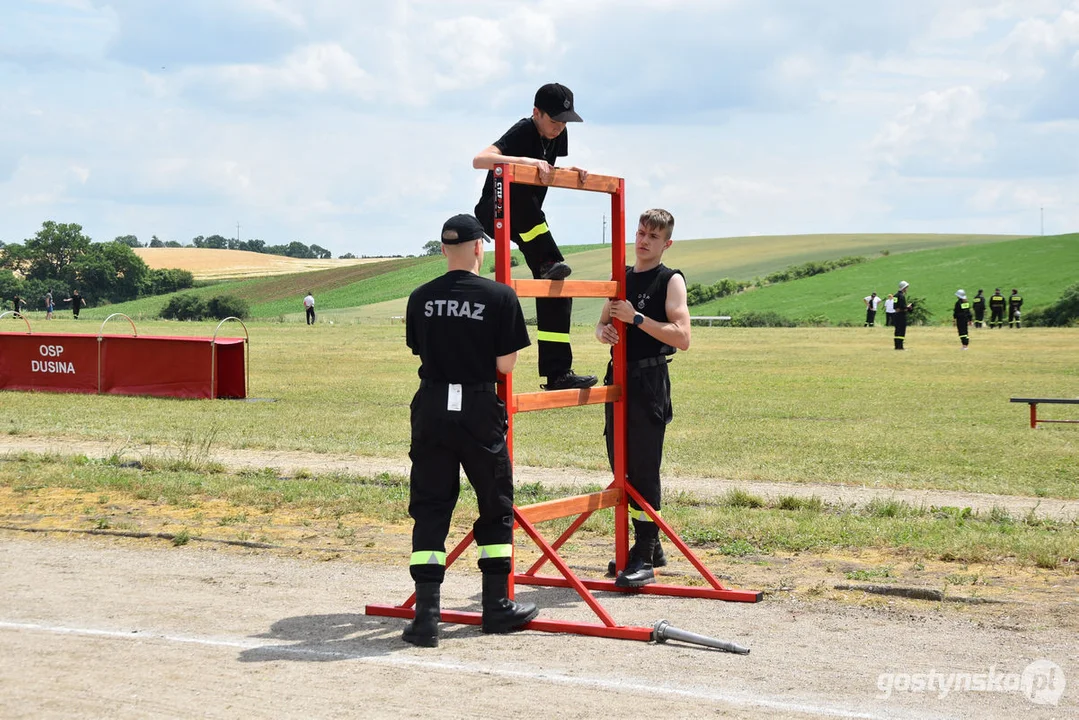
<point>453,398</point>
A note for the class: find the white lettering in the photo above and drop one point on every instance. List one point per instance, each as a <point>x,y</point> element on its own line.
<point>51,350</point>
<point>451,308</point>
<point>52,366</point>
<point>477,314</point>
<point>466,310</point>
<point>441,304</point>
<point>428,309</point>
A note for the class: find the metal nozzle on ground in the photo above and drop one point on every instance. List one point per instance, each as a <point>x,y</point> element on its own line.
<point>664,631</point>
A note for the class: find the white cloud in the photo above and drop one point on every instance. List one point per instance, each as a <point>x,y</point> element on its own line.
<point>941,130</point>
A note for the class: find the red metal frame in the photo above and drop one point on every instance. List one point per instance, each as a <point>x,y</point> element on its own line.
<point>505,175</point>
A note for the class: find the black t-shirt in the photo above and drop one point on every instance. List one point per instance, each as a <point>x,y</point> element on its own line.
<point>526,201</point>
<point>647,292</point>
<point>460,323</point>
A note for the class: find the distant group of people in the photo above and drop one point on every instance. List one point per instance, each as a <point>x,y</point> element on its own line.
<point>78,302</point>
<point>964,312</point>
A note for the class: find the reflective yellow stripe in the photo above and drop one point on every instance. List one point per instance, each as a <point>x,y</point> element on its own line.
<point>641,515</point>
<point>534,232</point>
<point>495,551</point>
<point>428,557</point>
<point>547,336</point>
<point>900,337</point>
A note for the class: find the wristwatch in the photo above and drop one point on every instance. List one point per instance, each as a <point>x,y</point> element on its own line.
<point>638,319</point>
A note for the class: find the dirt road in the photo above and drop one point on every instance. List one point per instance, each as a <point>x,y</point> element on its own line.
<point>107,627</point>
<point>97,628</point>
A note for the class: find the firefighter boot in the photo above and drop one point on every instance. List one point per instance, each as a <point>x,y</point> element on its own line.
<point>639,572</point>
<point>500,614</point>
<point>423,630</point>
<point>659,559</point>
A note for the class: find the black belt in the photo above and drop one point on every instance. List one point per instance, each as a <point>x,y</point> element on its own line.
<point>471,387</point>
<point>649,362</point>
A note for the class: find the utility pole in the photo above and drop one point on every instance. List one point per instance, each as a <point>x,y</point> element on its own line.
<point>603,233</point>
<point>237,232</point>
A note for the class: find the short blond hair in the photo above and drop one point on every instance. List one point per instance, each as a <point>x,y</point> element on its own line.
<point>658,219</point>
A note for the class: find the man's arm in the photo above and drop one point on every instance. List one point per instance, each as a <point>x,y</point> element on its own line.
<point>491,156</point>
<point>506,363</point>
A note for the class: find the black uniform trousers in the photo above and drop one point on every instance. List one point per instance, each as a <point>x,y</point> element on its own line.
<point>648,411</point>
<point>996,317</point>
<point>961,326</point>
<point>899,319</point>
<point>310,316</point>
<point>444,441</point>
<point>979,315</point>
<point>870,317</point>
<point>553,315</point>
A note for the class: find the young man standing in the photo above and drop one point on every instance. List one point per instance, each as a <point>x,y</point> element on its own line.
<point>996,309</point>
<point>902,307</point>
<point>657,324</point>
<point>978,306</point>
<point>466,329</point>
<point>538,141</point>
<point>871,303</point>
<point>1015,303</point>
<point>961,316</point>
<point>309,307</point>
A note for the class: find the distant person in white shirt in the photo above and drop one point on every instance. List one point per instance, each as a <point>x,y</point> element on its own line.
<point>871,303</point>
<point>889,310</point>
<point>309,305</point>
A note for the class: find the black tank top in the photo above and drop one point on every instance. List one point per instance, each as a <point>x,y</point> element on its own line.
<point>647,292</point>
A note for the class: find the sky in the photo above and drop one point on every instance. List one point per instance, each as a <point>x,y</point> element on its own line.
<point>352,125</point>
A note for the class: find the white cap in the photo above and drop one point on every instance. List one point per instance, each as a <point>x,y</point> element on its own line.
<point>961,294</point>
<point>903,284</point>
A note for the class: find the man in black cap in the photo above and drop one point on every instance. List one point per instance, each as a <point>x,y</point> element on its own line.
<point>1015,303</point>
<point>978,305</point>
<point>538,141</point>
<point>465,329</point>
<point>996,309</point>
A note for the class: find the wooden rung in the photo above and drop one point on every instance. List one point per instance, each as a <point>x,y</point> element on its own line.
<point>528,175</point>
<point>565,288</point>
<point>575,505</point>
<point>526,402</point>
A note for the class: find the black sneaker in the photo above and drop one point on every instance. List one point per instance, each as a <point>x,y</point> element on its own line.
<point>569,381</point>
<point>659,559</point>
<point>552,270</point>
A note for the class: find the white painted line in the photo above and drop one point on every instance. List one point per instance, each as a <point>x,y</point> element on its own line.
<point>742,699</point>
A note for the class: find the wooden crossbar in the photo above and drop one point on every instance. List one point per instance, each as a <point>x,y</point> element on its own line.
<point>565,288</point>
<point>564,507</point>
<point>526,402</point>
<point>528,175</point>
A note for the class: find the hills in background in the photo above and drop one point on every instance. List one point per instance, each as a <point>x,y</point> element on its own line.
<point>935,265</point>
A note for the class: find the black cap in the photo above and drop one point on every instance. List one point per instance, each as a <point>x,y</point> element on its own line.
<point>557,101</point>
<point>461,229</point>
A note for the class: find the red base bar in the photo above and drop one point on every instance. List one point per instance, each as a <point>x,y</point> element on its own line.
<point>618,632</point>
<point>749,596</point>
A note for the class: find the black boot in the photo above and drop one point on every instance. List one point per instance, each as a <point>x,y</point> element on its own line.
<point>638,572</point>
<point>500,614</point>
<point>423,630</point>
<point>659,559</point>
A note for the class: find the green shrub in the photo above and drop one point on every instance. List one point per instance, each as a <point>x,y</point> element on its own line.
<point>1063,313</point>
<point>767,318</point>
<point>220,307</point>
<point>183,307</point>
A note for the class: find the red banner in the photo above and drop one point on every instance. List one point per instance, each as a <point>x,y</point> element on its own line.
<point>124,365</point>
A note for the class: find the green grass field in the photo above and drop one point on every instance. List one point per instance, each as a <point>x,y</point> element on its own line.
<point>828,405</point>
<point>1040,267</point>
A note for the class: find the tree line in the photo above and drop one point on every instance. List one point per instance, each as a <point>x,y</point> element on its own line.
<point>294,249</point>
<point>60,258</point>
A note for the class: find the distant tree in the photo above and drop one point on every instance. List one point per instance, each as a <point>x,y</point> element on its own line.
<point>172,243</point>
<point>276,250</point>
<point>54,247</point>
<point>348,256</point>
<point>254,245</point>
<point>109,271</point>
<point>155,243</point>
<point>297,249</point>
<point>321,252</point>
<point>216,241</point>
<point>130,240</point>
<point>198,241</point>
<point>434,247</point>
<point>167,280</point>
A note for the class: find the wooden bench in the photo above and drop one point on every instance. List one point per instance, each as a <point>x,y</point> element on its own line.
<point>1034,402</point>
